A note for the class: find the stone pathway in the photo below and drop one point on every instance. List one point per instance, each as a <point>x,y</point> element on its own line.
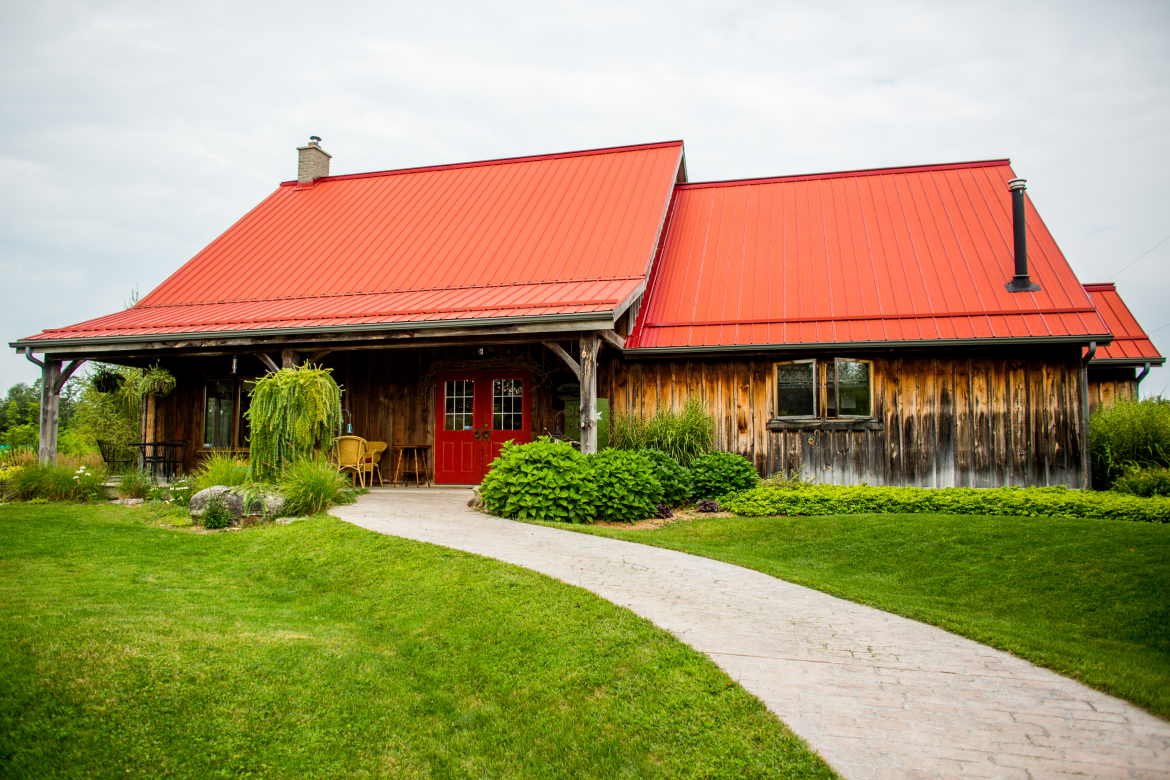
<point>878,696</point>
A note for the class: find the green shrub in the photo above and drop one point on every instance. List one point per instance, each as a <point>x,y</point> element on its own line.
<point>543,480</point>
<point>1128,435</point>
<point>180,492</point>
<point>312,485</point>
<point>1144,482</point>
<point>768,501</point>
<point>221,468</point>
<point>683,434</point>
<point>675,480</point>
<point>136,483</point>
<point>216,515</point>
<point>625,488</point>
<point>719,473</point>
<point>56,483</point>
<point>293,412</point>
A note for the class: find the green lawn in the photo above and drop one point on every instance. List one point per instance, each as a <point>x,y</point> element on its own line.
<point>1087,598</point>
<point>319,649</point>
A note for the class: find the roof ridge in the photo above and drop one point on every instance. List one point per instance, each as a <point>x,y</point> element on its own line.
<point>846,174</point>
<point>494,161</point>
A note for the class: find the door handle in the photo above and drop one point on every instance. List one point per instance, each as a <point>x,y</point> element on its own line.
<point>476,434</point>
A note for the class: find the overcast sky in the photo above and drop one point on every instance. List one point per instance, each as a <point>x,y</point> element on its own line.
<point>134,133</point>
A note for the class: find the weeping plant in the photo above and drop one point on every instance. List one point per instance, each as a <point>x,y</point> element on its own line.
<point>294,411</point>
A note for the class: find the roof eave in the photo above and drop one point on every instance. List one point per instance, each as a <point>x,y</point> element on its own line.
<point>837,346</point>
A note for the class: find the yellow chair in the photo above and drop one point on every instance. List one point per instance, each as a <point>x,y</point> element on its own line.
<point>351,456</point>
<point>370,462</point>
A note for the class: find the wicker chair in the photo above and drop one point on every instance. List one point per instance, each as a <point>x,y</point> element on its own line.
<point>351,456</point>
<point>374,450</point>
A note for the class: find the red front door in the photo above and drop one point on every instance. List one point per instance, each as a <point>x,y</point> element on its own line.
<point>475,413</point>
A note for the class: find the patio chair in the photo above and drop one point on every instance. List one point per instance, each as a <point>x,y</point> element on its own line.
<point>351,455</point>
<point>110,452</point>
<point>370,462</point>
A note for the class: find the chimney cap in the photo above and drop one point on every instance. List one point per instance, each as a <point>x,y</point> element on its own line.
<point>1014,184</point>
<point>315,140</point>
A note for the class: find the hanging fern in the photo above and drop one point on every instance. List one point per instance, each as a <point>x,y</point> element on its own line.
<point>157,381</point>
<point>293,412</point>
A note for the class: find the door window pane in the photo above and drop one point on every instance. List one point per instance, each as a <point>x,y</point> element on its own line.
<point>796,389</point>
<point>853,384</point>
<point>507,404</point>
<point>217,418</point>
<point>459,414</point>
<point>244,432</point>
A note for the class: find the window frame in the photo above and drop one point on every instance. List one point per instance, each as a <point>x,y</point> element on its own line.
<point>238,383</point>
<point>821,406</point>
<point>837,389</point>
<point>816,395</point>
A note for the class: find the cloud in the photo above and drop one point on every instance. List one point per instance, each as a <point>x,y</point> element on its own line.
<point>136,132</point>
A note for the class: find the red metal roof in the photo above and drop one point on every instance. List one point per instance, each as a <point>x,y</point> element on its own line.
<point>917,254</point>
<point>1130,344</point>
<point>568,233</point>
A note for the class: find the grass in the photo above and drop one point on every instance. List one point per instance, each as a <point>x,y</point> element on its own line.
<point>1087,598</point>
<point>319,649</point>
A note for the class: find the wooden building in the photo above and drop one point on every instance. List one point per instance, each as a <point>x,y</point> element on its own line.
<point>905,326</point>
<point>1116,370</point>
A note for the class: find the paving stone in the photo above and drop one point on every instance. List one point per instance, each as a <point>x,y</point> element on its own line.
<point>878,696</point>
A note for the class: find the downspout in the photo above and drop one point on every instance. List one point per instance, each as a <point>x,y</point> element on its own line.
<point>1086,455</point>
<point>1140,377</point>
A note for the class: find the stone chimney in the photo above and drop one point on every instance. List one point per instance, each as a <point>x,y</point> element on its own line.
<point>313,162</point>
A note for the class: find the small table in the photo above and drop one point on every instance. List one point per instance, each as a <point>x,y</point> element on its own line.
<point>414,450</point>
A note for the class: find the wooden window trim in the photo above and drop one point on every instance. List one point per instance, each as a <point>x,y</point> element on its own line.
<point>817,405</point>
<point>837,389</point>
<point>237,395</point>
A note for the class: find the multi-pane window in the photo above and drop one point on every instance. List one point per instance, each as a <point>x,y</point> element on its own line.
<point>840,387</point>
<point>225,422</point>
<point>218,407</point>
<point>460,400</point>
<point>507,404</point>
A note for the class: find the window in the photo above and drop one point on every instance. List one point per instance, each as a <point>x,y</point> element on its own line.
<point>839,387</point>
<point>507,404</point>
<point>224,425</point>
<point>219,403</point>
<point>796,389</point>
<point>459,396</point>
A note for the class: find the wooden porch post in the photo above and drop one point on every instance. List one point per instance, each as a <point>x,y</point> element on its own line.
<point>590,344</point>
<point>50,408</point>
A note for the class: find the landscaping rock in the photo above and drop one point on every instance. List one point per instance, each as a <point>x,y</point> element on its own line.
<point>476,501</point>
<point>233,499</point>
<point>129,501</point>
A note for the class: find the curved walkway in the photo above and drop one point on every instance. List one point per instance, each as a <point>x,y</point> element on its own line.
<point>877,695</point>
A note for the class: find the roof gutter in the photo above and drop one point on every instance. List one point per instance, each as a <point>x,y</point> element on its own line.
<point>840,345</point>
<point>595,320</point>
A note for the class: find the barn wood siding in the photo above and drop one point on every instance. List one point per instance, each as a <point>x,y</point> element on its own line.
<point>972,419</point>
<point>380,388</point>
<point>1109,385</point>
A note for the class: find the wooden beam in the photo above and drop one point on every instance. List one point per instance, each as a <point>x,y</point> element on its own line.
<point>559,350</point>
<point>66,373</point>
<point>289,358</point>
<point>612,338</point>
<point>425,336</point>
<point>267,361</point>
<point>590,344</point>
<point>50,407</point>
<point>317,356</point>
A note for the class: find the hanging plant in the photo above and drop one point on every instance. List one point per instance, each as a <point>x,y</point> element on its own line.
<point>293,412</point>
<point>107,379</point>
<point>158,382</point>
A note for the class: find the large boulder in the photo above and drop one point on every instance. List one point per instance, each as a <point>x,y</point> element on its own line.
<point>268,504</point>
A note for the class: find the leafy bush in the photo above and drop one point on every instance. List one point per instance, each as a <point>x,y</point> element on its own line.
<point>767,501</point>
<point>312,485</point>
<point>221,468</point>
<point>56,483</point>
<point>625,488</point>
<point>1128,435</point>
<point>181,491</point>
<point>683,434</point>
<point>719,473</point>
<point>293,412</point>
<point>216,515</point>
<point>542,480</point>
<point>136,483</point>
<point>674,479</point>
<point>708,505</point>
<point>1144,482</point>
